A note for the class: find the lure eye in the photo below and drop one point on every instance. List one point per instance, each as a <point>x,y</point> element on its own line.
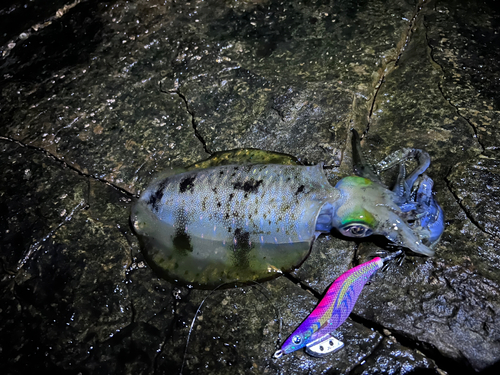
<point>356,230</point>
<point>297,340</point>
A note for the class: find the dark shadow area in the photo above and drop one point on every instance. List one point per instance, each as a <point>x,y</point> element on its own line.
<point>492,370</point>
<point>450,365</point>
<point>18,16</point>
<point>68,41</point>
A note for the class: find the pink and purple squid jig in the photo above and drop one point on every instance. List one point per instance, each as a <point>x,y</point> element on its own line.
<point>333,309</point>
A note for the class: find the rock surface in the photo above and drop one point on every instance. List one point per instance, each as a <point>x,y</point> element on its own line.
<point>97,96</point>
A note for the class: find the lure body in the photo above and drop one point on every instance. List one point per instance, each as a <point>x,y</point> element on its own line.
<point>334,308</point>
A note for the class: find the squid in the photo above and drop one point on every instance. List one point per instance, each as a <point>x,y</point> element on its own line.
<point>251,215</point>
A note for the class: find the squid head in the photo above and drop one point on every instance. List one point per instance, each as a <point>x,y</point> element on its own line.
<point>407,215</point>
<point>366,208</point>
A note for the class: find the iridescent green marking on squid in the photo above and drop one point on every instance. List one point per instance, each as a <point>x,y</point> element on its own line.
<point>356,181</point>
<point>359,215</point>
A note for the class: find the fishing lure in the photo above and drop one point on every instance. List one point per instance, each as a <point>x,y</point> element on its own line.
<point>315,332</point>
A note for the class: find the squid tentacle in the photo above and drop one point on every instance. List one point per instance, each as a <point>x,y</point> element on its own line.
<point>361,166</point>
<point>417,212</point>
<point>400,156</point>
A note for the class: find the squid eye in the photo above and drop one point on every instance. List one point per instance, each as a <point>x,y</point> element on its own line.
<point>296,340</point>
<point>356,230</point>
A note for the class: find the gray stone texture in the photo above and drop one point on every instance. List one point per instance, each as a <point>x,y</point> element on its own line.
<point>98,96</point>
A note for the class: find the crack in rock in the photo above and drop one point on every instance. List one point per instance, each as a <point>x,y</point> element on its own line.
<point>363,359</point>
<point>387,71</point>
<point>475,136</point>
<point>194,125</point>
<point>427,349</point>
<point>66,165</point>
<point>448,100</point>
<point>38,244</point>
<point>464,209</point>
<point>281,115</point>
<point>372,107</point>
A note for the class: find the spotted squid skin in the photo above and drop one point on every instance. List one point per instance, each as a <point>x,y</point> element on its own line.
<point>231,223</point>
<point>334,308</point>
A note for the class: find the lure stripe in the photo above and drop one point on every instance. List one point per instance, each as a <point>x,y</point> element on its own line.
<point>335,306</point>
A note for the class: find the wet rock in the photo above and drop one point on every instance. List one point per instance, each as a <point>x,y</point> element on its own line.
<point>462,40</point>
<point>476,184</point>
<point>95,101</point>
<point>390,357</point>
<point>30,216</point>
<point>64,268</point>
<point>139,87</point>
<point>410,111</point>
<point>28,12</point>
<point>449,307</point>
<point>258,77</point>
<point>242,326</point>
<point>427,300</point>
<point>337,254</point>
